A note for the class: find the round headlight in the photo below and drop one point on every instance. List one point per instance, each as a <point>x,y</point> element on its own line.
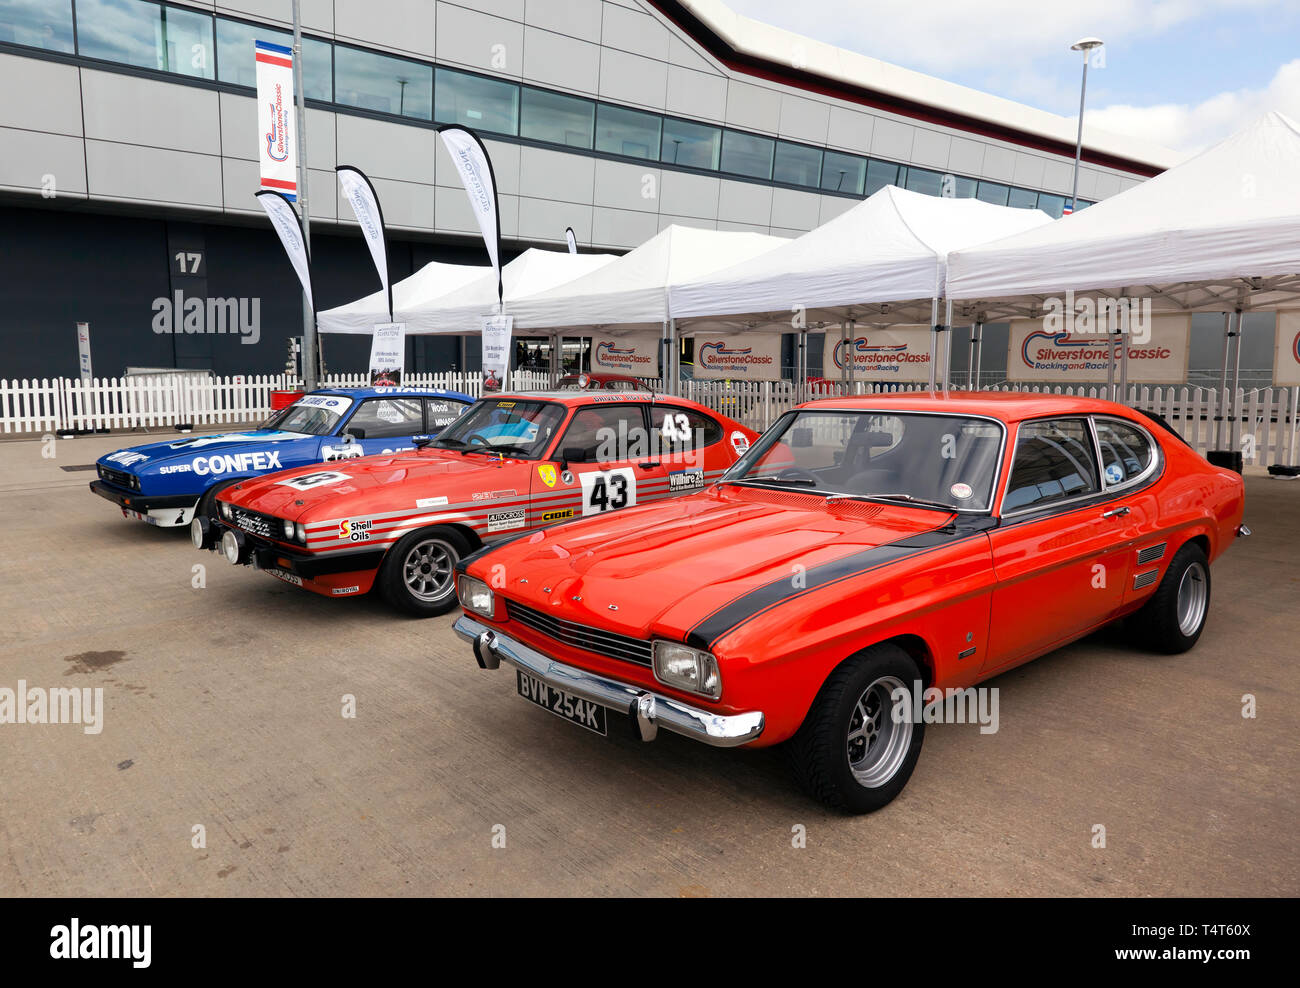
<point>301,532</point>
<point>230,547</point>
<point>199,532</point>
<point>225,510</point>
<point>288,530</point>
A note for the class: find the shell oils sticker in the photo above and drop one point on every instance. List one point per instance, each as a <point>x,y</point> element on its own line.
<point>503,521</point>
<point>547,472</point>
<point>550,516</point>
<point>355,529</point>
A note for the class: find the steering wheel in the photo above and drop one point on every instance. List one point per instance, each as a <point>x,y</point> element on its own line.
<point>797,473</point>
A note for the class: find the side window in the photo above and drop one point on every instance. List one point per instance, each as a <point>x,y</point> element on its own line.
<point>441,412</point>
<point>1054,461</point>
<point>388,418</point>
<point>682,428</point>
<point>1126,451</point>
<point>601,433</point>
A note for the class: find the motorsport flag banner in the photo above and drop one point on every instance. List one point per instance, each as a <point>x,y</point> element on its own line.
<point>571,240</point>
<point>1157,353</point>
<point>475,168</point>
<point>496,351</point>
<point>83,352</point>
<point>363,199</point>
<point>756,357</point>
<point>636,356</point>
<point>277,152</point>
<point>285,220</point>
<point>1286,360</point>
<point>388,354</point>
<point>900,353</point>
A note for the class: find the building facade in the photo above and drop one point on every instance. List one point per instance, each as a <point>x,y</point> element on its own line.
<point>128,157</point>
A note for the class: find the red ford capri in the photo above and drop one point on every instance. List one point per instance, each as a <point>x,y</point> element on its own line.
<point>865,559</point>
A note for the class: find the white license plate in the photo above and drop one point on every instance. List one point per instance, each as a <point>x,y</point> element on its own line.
<point>582,712</point>
<point>286,576</point>
<point>139,516</point>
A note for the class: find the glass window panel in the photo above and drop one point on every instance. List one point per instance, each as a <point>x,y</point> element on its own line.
<point>691,144</point>
<point>1023,199</point>
<point>747,154</point>
<point>1082,204</point>
<point>993,192</point>
<point>962,188</point>
<point>843,172</point>
<point>628,132</point>
<point>557,119</point>
<point>37,23</point>
<point>187,40</point>
<point>1052,205</point>
<point>925,181</point>
<point>382,83</point>
<point>236,64</point>
<point>126,31</point>
<point>476,102</point>
<point>880,174</point>
<point>797,164</point>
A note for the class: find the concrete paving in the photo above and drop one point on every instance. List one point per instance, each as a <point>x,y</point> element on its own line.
<point>223,701</point>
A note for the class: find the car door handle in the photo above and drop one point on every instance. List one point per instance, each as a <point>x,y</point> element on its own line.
<point>1115,512</point>
<point>649,466</point>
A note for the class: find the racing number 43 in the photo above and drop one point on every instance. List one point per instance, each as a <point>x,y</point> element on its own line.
<point>608,490</point>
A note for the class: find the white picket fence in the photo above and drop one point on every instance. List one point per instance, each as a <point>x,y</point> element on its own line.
<point>1266,434</point>
<point>161,401</point>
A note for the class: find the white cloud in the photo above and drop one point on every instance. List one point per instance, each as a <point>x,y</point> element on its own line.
<point>1186,127</point>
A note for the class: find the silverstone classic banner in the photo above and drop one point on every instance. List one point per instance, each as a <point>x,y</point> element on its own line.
<point>637,356</point>
<point>277,138</point>
<point>756,357</point>
<point>900,353</point>
<point>1156,355</point>
<point>1286,361</point>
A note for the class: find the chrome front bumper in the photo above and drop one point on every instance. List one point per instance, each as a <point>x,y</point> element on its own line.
<point>648,711</point>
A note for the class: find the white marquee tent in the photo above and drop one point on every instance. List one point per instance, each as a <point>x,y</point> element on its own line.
<point>410,295</point>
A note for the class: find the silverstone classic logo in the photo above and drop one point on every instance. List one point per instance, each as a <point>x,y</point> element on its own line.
<point>619,358</point>
<point>879,356</point>
<point>717,356</point>
<point>1065,352</point>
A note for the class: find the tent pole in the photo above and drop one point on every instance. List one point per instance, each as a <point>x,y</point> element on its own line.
<point>1110,366</point>
<point>801,366</point>
<point>973,358</point>
<point>947,342</point>
<point>557,341</point>
<point>1235,421</point>
<point>674,359</point>
<point>1223,381</point>
<point>934,336</point>
<point>853,353</point>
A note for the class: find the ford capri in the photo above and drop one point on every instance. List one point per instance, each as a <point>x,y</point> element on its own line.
<point>512,463</point>
<point>866,558</point>
<point>164,483</point>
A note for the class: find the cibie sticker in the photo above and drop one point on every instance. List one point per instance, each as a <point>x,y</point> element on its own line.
<point>1114,474</point>
<point>739,442</point>
<point>960,491</point>
<point>310,481</point>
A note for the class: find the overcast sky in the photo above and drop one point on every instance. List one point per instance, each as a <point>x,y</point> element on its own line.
<point>1182,73</point>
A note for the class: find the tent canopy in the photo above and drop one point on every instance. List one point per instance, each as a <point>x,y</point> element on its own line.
<point>886,256</point>
<point>631,293</point>
<point>410,295</point>
<point>1218,230</point>
<point>532,272</point>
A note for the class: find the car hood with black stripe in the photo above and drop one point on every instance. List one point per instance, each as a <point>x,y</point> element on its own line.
<point>661,570</point>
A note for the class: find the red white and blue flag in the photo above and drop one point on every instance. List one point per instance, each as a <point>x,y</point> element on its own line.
<point>277,137</point>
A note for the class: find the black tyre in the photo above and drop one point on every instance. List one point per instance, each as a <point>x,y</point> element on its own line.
<point>207,506</point>
<point>418,575</point>
<point>1173,619</point>
<point>851,752</point>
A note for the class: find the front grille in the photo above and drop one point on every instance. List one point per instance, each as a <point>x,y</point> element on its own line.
<point>118,478</point>
<point>589,639</point>
<point>261,525</point>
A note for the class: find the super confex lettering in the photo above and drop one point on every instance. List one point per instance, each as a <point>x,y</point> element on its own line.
<point>235,463</point>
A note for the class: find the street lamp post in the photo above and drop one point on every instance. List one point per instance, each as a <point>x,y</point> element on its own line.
<point>1084,45</point>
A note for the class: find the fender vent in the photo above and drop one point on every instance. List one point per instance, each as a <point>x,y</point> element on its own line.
<point>1145,579</point>
<point>1151,553</point>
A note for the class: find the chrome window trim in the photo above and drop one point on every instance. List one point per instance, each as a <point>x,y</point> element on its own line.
<point>1052,505</point>
<point>1156,459</point>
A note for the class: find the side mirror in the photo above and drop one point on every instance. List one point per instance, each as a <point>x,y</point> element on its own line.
<point>576,454</point>
<point>355,432</point>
